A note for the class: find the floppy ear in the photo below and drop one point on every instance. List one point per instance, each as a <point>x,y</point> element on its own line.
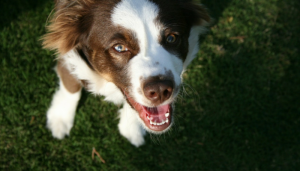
<point>70,24</point>
<point>195,14</point>
<point>197,17</point>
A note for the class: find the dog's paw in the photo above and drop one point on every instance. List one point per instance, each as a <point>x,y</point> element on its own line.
<point>59,128</point>
<point>59,123</point>
<point>60,115</point>
<point>134,133</point>
<point>137,140</point>
<point>130,127</point>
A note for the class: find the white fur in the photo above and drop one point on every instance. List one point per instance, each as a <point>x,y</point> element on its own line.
<point>153,60</point>
<point>60,115</point>
<point>96,84</point>
<point>140,17</point>
<point>130,127</point>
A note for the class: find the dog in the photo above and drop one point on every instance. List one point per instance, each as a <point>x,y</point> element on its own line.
<point>133,52</point>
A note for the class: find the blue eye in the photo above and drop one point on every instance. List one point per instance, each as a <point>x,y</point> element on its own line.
<point>120,48</point>
<point>171,38</point>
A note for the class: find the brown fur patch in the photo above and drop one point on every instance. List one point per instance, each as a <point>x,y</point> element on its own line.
<point>195,14</point>
<point>187,14</point>
<point>85,25</point>
<point>70,25</point>
<point>71,83</point>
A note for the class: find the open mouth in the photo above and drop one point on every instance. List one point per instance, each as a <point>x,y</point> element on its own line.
<point>157,119</point>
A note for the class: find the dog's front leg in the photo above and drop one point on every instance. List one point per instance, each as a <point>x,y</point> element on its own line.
<point>130,127</point>
<point>60,115</point>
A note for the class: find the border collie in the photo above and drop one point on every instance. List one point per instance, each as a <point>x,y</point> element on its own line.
<point>133,52</point>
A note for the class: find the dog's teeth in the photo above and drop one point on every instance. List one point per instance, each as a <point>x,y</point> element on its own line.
<point>158,123</point>
<point>148,118</point>
<point>161,123</point>
<point>167,114</point>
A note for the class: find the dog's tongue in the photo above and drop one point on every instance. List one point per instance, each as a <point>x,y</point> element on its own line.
<point>160,110</point>
<point>159,114</point>
<point>155,118</point>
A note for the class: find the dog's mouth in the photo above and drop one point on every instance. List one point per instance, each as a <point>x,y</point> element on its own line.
<point>156,119</point>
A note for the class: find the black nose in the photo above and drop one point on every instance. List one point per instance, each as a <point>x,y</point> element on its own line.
<point>158,91</point>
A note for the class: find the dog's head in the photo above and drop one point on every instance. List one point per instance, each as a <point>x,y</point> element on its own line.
<point>142,46</point>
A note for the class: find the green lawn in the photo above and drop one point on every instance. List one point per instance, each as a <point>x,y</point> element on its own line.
<point>240,112</point>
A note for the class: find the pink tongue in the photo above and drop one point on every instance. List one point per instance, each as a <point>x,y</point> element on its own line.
<point>160,110</point>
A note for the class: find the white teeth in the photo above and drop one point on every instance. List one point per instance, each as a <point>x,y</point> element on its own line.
<point>148,118</point>
<point>163,122</point>
<point>167,114</point>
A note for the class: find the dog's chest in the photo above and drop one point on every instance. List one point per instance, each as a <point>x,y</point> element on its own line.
<point>93,82</point>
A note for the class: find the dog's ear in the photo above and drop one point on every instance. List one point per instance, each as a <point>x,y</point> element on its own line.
<point>69,25</point>
<point>196,14</point>
<point>61,2</point>
<point>197,17</point>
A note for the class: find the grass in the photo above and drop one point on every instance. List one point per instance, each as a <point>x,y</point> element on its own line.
<point>241,113</point>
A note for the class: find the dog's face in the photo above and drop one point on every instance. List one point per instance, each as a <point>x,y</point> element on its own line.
<point>142,46</point>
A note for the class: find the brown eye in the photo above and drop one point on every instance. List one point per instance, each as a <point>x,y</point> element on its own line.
<point>120,48</point>
<point>171,38</point>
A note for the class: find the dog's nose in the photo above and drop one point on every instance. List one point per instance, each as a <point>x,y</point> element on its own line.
<point>158,91</point>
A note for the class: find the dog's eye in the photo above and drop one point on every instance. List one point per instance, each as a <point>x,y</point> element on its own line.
<point>171,38</point>
<point>120,48</point>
